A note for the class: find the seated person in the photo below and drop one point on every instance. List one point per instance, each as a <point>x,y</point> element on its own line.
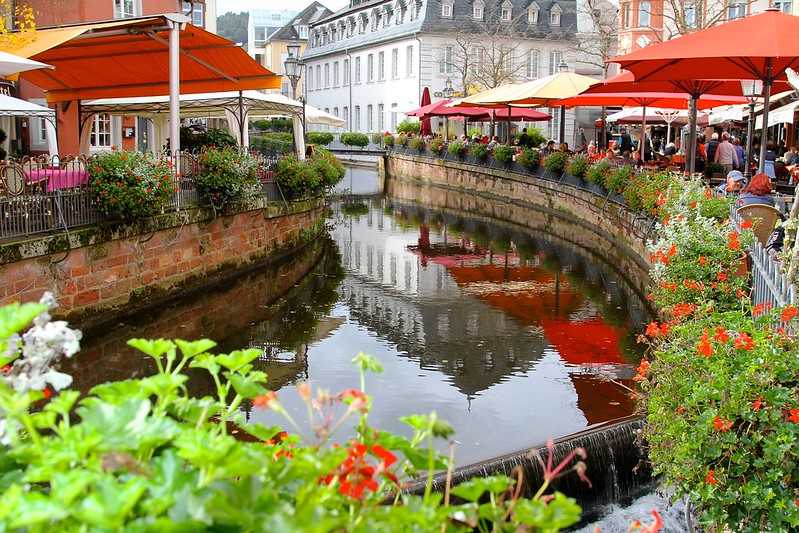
<point>791,156</point>
<point>638,163</point>
<point>626,159</point>
<point>564,147</point>
<point>671,149</point>
<point>494,142</point>
<point>757,191</point>
<point>549,148</point>
<point>734,183</point>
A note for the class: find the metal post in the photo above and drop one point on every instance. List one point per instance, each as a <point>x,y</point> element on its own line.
<point>750,131</point>
<point>767,81</point>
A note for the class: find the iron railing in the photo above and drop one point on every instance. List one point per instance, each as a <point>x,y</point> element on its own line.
<point>42,194</point>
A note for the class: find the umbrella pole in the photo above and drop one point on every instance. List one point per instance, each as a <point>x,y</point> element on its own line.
<point>643,135</point>
<point>691,164</point>
<point>562,124</point>
<point>767,81</point>
<point>446,129</point>
<point>509,119</point>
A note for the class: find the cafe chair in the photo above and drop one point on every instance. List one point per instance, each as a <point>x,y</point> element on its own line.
<point>763,218</point>
<point>24,206</point>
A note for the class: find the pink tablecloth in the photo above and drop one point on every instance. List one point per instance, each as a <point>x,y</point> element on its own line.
<point>58,178</point>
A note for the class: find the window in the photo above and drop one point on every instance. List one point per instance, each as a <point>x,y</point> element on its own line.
<point>533,57</point>
<point>554,15</point>
<point>126,8</point>
<point>381,66</point>
<point>336,77</point>
<point>507,11</point>
<point>736,10</point>
<point>369,118</point>
<point>375,20</point>
<point>357,70</point>
<point>318,76</point>
<point>409,61</point>
<point>370,67</point>
<point>195,11</point>
<point>689,12</point>
<point>555,58</point>
<point>393,117</point>
<point>335,111</point>
<point>38,128</point>
<point>446,8</point>
<point>381,123</point>
<point>478,9</point>
<point>783,5</point>
<point>327,75</point>
<point>310,79</point>
<point>445,60</point>
<point>479,61</point>
<point>101,132</point>
<point>532,13</point>
<point>507,61</point>
<point>395,63</point>
<point>302,32</point>
<point>626,15</point>
<point>553,128</point>
<point>346,72</point>
<point>643,13</point>
<point>346,116</point>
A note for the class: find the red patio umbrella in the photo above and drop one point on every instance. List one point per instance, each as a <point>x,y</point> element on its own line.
<point>757,47</point>
<point>441,108</point>
<point>425,129</point>
<point>649,99</point>
<point>516,113</point>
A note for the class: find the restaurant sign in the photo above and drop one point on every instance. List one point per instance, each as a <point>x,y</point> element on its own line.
<point>7,88</point>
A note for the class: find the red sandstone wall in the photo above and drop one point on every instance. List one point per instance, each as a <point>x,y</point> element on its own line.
<point>104,276</point>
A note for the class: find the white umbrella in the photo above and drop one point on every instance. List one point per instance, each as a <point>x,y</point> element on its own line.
<point>11,64</point>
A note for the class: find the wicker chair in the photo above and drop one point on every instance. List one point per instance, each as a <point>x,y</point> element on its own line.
<point>763,218</point>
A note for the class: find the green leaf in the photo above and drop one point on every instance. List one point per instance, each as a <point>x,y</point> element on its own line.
<point>237,359</point>
<point>194,348</point>
<point>15,317</point>
<point>472,489</point>
<point>162,385</point>
<point>154,348</point>
<point>35,509</point>
<point>110,502</point>
<point>560,513</point>
<point>245,386</point>
<point>368,362</point>
<point>128,426</point>
<point>63,402</point>
<point>118,391</point>
<point>260,431</point>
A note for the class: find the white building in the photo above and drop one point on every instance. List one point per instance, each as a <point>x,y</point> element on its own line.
<point>370,62</point>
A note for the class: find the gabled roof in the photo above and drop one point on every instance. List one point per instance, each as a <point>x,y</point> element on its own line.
<point>311,14</point>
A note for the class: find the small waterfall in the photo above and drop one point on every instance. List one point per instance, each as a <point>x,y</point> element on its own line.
<point>613,465</point>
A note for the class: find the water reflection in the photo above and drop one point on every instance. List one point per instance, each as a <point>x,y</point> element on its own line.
<point>508,335</point>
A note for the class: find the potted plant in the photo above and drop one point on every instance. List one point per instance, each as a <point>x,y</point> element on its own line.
<point>714,172</point>
<point>225,173</point>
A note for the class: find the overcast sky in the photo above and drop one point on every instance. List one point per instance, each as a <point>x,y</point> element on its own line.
<point>237,6</point>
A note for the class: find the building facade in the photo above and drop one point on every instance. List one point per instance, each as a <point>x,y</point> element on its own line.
<point>370,62</point>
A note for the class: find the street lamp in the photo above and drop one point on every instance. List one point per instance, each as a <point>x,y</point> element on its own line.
<point>292,67</point>
<point>751,89</point>
<point>448,91</point>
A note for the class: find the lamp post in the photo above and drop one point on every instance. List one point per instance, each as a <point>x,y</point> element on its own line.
<point>751,89</point>
<point>447,93</point>
<point>292,68</point>
<point>562,67</point>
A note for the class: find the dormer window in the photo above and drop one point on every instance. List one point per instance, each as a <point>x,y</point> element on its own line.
<point>478,9</point>
<point>532,13</point>
<point>302,32</point>
<point>375,20</point>
<point>554,15</point>
<point>507,12</point>
<point>446,9</point>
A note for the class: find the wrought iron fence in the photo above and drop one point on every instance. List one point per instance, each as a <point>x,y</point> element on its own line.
<point>42,194</point>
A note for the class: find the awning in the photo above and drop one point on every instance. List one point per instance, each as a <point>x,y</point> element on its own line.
<point>130,57</point>
<point>717,115</point>
<point>781,115</point>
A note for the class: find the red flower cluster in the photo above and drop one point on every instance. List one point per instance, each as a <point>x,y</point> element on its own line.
<point>703,346</point>
<point>789,312</point>
<point>722,425</point>
<point>732,241</point>
<point>711,477</point>
<point>355,474</point>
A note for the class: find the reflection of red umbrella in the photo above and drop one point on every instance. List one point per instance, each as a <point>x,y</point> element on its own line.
<point>584,342</point>
<point>756,47</point>
<point>601,400</point>
<point>425,129</point>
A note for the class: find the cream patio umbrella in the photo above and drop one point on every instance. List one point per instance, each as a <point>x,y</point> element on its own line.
<point>543,92</point>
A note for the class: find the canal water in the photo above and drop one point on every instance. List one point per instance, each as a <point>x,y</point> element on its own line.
<point>511,336</point>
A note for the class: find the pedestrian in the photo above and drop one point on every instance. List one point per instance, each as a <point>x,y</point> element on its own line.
<point>626,142</point>
<point>524,139</point>
<point>739,151</point>
<point>581,140</point>
<point>726,154</point>
<point>710,147</point>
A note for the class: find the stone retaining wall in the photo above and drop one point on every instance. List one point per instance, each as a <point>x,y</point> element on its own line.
<point>102,269</point>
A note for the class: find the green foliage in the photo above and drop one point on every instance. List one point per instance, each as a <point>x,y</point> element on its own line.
<point>598,172</point>
<point>619,178</point>
<point>479,150</point>
<point>321,138</point>
<point>530,158</point>
<point>193,139</point>
<point>711,167</point>
<point>457,148</point>
<point>556,161</point>
<point>388,141</point>
<point>144,455</point>
<point>225,173</point>
<point>417,143</point>
<point>646,191</point>
<point>409,126</point>
<point>233,26</point>
<point>355,139</point>
<point>578,165</point>
<point>536,137</point>
<point>401,140</point>
<point>130,185</point>
<point>300,179</point>
<point>377,138</point>
<point>436,145</point>
<point>504,153</point>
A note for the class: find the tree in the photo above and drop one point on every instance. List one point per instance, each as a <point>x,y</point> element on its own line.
<point>597,34</point>
<point>19,28</point>
<point>681,17</point>
<point>233,26</point>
